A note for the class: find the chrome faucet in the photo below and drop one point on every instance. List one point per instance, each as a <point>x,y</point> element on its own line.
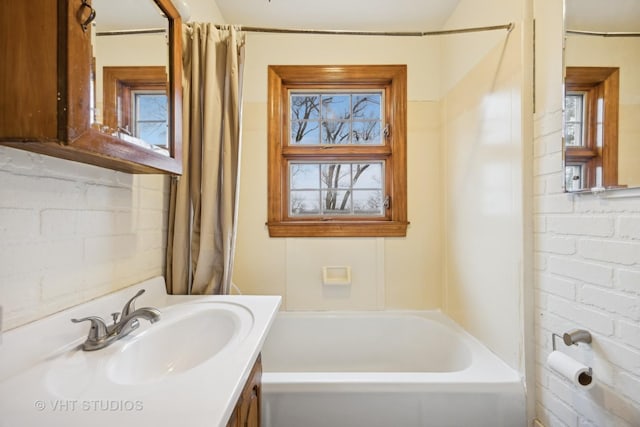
<point>100,335</point>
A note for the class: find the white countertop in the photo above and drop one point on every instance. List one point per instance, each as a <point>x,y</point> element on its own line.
<point>44,378</point>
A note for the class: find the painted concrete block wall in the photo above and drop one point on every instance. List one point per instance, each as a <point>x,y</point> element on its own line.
<point>71,232</point>
<point>587,252</point>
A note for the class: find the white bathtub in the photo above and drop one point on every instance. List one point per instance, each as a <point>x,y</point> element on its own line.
<point>384,369</point>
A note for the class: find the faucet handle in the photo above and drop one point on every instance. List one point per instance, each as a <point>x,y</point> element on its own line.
<point>115,316</point>
<point>129,306</point>
<point>98,328</point>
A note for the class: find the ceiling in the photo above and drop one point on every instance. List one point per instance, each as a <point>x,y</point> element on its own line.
<point>358,15</point>
<point>127,15</point>
<point>603,15</point>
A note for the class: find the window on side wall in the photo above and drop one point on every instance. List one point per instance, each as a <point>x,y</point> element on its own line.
<point>337,151</point>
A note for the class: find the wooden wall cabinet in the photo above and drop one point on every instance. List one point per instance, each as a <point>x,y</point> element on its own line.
<point>247,410</point>
<point>45,88</point>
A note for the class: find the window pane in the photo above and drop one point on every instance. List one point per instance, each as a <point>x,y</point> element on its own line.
<point>336,106</point>
<point>574,119</point>
<point>336,202</point>
<point>149,117</point>
<point>573,107</point>
<point>305,107</point>
<point>304,203</point>
<point>335,118</point>
<point>151,107</point>
<point>153,133</point>
<point>327,188</point>
<point>366,132</point>
<point>573,135</point>
<point>367,175</point>
<point>573,178</point>
<point>367,106</point>
<point>367,202</point>
<point>337,175</point>
<point>305,132</point>
<point>335,132</point>
<point>305,176</point>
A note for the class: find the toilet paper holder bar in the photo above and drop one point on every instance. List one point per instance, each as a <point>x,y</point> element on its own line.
<point>572,337</point>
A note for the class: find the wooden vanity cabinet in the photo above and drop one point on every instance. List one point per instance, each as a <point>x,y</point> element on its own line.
<point>45,87</point>
<point>247,410</point>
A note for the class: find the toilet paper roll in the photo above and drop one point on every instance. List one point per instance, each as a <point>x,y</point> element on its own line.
<point>571,369</point>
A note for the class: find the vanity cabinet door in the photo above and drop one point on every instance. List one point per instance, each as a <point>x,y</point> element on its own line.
<point>46,88</point>
<point>247,410</point>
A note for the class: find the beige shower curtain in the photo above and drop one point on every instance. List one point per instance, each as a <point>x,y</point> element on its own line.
<point>204,200</point>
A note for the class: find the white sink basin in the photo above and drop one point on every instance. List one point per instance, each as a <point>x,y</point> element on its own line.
<point>205,343</point>
<point>186,336</point>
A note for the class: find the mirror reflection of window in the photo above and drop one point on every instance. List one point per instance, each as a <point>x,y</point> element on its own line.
<point>149,117</point>
<point>136,105</point>
<point>605,35</point>
<point>591,127</point>
<point>573,177</point>
<point>129,41</point>
<point>574,119</point>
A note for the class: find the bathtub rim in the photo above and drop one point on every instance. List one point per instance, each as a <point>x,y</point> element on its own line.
<point>487,371</point>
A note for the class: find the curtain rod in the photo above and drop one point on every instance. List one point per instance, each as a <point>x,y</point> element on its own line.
<point>603,34</point>
<point>129,32</point>
<point>507,27</point>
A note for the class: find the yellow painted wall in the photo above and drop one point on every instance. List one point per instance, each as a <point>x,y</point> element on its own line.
<point>484,148</point>
<point>483,201</point>
<point>387,273</point>
<point>461,53</point>
<point>463,252</point>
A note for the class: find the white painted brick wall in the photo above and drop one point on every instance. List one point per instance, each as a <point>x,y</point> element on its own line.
<point>580,225</point>
<point>629,227</point>
<point>71,232</point>
<point>587,253</point>
<point>580,269</point>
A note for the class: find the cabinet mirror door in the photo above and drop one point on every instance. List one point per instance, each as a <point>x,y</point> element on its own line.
<point>136,73</point>
<point>602,95</point>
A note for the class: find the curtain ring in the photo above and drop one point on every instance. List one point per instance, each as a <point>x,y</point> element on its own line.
<point>85,24</point>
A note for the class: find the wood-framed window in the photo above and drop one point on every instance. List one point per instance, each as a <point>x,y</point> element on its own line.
<point>337,151</point>
<point>591,127</point>
<point>135,102</point>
